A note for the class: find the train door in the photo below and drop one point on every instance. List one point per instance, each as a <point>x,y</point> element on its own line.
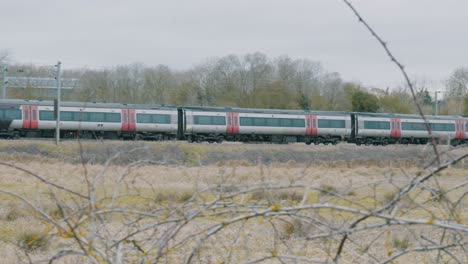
<point>180,123</point>
<point>124,119</point>
<point>308,125</point>
<point>34,116</point>
<point>26,117</point>
<point>311,125</point>
<point>235,123</point>
<point>232,123</point>
<point>229,126</point>
<point>353,126</point>
<point>460,129</point>
<point>313,119</point>
<point>395,127</point>
<point>131,120</point>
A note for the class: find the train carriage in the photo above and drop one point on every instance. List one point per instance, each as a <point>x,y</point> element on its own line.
<point>372,128</point>
<point>331,127</point>
<point>11,118</point>
<point>94,120</point>
<point>280,126</point>
<point>398,128</point>
<point>156,122</point>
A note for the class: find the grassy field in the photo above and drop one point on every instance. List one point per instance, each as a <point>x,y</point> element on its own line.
<point>230,203</point>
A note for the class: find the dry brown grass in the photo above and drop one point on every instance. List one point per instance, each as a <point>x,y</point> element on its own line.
<point>148,186</point>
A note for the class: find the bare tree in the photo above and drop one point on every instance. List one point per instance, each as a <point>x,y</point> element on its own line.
<point>5,57</point>
<point>158,84</point>
<point>457,84</point>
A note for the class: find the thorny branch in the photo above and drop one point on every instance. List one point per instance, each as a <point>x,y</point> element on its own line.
<point>403,71</point>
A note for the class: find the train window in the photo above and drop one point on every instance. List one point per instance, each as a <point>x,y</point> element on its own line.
<point>66,116</point>
<point>46,115</point>
<point>161,119</point>
<point>143,118</point>
<point>298,123</point>
<point>219,120</point>
<point>466,126</point>
<point>96,117</point>
<point>11,114</point>
<point>413,126</point>
<point>154,118</point>
<point>202,120</point>
<point>209,120</point>
<point>286,122</point>
<point>260,121</point>
<point>34,114</point>
<point>112,117</point>
<point>442,127</point>
<point>80,116</point>
<point>419,126</point>
<point>246,121</point>
<point>330,123</point>
<point>376,125</point>
<point>273,122</point>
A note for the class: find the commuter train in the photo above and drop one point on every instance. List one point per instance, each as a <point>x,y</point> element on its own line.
<point>28,118</point>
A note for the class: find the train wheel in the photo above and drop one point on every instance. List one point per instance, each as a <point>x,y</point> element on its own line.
<point>368,142</point>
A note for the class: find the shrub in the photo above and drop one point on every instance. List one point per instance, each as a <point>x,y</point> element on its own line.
<point>13,212</point>
<point>401,243</point>
<point>438,195</point>
<point>328,189</point>
<point>32,240</point>
<point>288,228</point>
<point>290,196</point>
<point>260,195</point>
<point>388,197</point>
<point>173,196</point>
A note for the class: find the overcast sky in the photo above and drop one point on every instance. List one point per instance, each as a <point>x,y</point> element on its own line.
<point>430,37</point>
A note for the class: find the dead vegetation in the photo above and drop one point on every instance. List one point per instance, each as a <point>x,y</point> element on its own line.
<point>231,212</point>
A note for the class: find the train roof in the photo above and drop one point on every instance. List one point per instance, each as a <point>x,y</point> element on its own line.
<point>262,111</point>
<point>410,116</point>
<point>84,104</point>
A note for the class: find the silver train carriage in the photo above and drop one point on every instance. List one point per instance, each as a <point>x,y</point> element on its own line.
<point>280,126</point>
<point>24,118</point>
<point>382,129</point>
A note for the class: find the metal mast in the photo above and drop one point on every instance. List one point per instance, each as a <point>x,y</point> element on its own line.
<point>57,107</point>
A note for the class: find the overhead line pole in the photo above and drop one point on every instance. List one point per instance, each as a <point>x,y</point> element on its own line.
<point>4,81</point>
<point>57,128</point>
<point>436,110</point>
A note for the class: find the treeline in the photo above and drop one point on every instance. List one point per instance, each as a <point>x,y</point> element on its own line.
<point>252,80</point>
